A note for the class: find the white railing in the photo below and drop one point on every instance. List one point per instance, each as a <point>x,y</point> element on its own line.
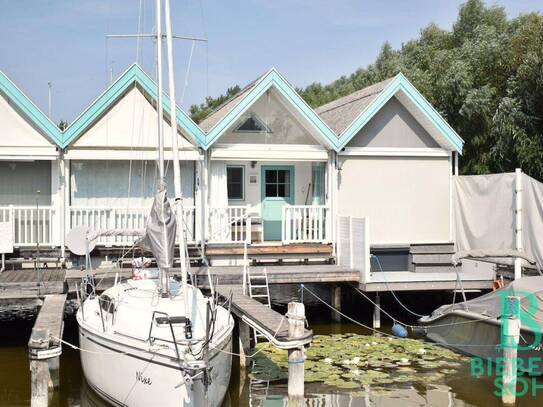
<point>30,225</point>
<point>229,224</point>
<point>305,224</point>
<point>124,218</point>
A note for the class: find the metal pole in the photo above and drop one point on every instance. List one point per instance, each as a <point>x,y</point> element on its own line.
<point>159,93</point>
<point>518,221</point>
<point>510,339</point>
<point>50,86</point>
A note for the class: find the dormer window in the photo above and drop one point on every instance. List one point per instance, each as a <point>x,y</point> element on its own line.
<point>252,124</point>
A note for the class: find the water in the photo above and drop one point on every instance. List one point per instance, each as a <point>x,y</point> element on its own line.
<point>456,389</point>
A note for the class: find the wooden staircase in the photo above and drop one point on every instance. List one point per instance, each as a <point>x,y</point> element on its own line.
<point>431,258</point>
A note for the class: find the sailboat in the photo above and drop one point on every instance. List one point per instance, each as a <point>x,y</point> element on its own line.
<point>156,341</point>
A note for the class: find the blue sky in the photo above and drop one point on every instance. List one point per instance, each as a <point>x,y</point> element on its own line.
<point>64,42</point>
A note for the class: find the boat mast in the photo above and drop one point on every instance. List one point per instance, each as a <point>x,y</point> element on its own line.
<point>164,286</point>
<point>175,151</point>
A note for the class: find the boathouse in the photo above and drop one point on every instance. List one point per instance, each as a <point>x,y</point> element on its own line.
<point>264,170</point>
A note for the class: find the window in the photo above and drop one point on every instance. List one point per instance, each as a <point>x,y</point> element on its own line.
<point>252,124</point>
<point>235,182</point>
<point>277,184</point>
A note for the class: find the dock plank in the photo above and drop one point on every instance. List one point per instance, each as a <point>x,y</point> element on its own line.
<point>264,319</point>
<point>51,316</point>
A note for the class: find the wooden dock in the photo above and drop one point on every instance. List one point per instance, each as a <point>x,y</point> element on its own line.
<point>266,321</point>
<point>285,274</point>
<point>22,283</point>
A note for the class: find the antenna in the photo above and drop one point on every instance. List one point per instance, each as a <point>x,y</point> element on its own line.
<point>50,91</point>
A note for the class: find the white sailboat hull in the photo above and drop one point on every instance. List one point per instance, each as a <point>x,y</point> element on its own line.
<point>127,376</point>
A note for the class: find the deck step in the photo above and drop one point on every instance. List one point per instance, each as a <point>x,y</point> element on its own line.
<point>431,248</point>
<point>431,268</point>
<point>430,258</point>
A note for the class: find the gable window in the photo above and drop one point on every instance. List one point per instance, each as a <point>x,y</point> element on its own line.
<point>252,124</point>
<point>235,182</point>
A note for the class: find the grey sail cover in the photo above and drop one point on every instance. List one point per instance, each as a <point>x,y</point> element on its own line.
<point>160,230</point>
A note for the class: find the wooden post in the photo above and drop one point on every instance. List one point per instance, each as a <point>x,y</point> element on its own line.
<point>39,368</point>
<point>510,340</point>
<point>244,345</point>
<point>54,372</point>
<point>336,303</point>
<point>377,312</point>
<point>296,356</point>
<point>518,221</point>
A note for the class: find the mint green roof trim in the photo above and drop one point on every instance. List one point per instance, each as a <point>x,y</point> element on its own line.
<point>401,83</point>
<point>34,114</point>
<point>272,78</point>
<point>134,74</point>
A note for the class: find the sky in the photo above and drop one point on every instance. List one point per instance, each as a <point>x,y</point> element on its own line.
<point>64,42</point>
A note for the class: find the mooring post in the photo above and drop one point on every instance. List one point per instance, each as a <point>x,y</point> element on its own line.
<point>54,372</point>
<point>377,312</point>
<point>510,339</point>
<point>296,356</point>
<point>39,368</point>
<point>244,345</point>
<point>336,303</point>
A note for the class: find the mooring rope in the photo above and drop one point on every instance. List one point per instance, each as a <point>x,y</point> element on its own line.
<point>390,335</point>
<point>418,326</point>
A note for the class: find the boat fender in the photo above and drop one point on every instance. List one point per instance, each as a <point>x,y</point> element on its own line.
<point>399,330</point>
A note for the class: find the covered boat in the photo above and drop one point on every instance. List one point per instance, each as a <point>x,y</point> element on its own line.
<point>474,327</point>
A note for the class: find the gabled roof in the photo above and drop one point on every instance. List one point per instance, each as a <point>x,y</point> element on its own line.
<point>340,113</point>
<point>133,75</point>
<point>229,112</point>
<point>32,112</point>
<point>349,114</point>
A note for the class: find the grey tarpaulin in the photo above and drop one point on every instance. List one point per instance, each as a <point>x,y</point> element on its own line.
<point>529,289</point>
<point>160,231</point>
<point>484,214</point>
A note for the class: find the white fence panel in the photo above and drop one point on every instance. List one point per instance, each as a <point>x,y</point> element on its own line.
<point>305,224</point>
<point>30,225</point>
<point>229,224</point>
<point>124,218</point>
<point>353,245</point>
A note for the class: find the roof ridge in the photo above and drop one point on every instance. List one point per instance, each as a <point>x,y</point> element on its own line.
<point>350,101</point>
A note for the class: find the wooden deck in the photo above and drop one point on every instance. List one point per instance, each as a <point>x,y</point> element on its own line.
<point>272,250</point>
<point>409,281</point>
<point>286,274</point>
<point>258,316</point>
<point>15,283</point>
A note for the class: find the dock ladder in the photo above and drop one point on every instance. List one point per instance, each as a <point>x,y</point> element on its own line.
<point>259,290</point>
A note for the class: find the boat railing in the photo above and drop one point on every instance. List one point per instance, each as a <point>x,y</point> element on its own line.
<point>151,339</point>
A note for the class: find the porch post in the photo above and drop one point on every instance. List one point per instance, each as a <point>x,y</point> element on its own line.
<point>331,224</point>
<point>204,182</point>
<point>57,203</point>
<point>65,212</point>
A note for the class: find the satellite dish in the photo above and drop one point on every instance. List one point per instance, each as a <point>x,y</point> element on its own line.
<point>76,240</point>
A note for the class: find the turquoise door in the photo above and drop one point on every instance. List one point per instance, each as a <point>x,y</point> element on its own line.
<point>277,191</point>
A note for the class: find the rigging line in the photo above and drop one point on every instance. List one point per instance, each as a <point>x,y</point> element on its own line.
<point>392,292</point>
<point>139,42</point>
<point>303,287</point>
<point>419,326</point>
<point>186,81</point>
<point>204,29</point>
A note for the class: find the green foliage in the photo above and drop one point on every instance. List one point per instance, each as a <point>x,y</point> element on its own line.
<point>200,112</point>
<point>485,77</point>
